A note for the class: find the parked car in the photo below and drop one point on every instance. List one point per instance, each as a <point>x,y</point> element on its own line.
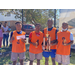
<point>73,46</point>
<point>28,28</point>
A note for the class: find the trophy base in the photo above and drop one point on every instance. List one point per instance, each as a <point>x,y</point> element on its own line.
<point>36,46</point>
<point>47,50</point>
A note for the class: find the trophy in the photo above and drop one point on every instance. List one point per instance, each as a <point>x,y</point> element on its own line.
<point>37,42</point>
<point>48,42</point>
<point>64,40</point>
<point>13,37</point>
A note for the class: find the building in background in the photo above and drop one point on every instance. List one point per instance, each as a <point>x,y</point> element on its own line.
<point>10,18</point>
<point>68,15</point>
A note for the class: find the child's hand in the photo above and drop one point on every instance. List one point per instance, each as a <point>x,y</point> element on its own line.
<point>65,44</point>
<point>23,40</point>
<point>12,39</point>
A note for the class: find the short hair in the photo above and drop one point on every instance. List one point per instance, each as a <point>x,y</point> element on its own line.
<point>18,23</point>
<point>50,19</point>
<point>64,23</point>
<point>5,21</point>
<point>37,24</point>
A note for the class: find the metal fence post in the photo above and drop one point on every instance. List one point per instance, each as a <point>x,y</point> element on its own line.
<point>54,17</point>
<point>22,18</point>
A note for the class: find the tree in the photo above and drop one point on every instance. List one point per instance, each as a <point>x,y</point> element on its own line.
<point>32,15</point>
<point>6,11</point>
<point>35,15</point>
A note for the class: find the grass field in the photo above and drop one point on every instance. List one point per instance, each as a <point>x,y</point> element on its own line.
<point>72,59</point>
<point>4,60</point>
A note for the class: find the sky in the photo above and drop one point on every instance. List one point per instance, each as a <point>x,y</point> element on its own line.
<point>57,12</point>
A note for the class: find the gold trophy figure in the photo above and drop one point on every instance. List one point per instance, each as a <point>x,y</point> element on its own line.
<point>48,42</point>
<point>13,36</point>
<point>43,43</point>
<point>37,42</point>
<point>47,35</point>
<point>64,40</point>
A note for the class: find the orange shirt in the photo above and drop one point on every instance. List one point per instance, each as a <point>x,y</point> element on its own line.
<point>61,49</point>
<point>52,35</point>
<point>34,38</point>
<point>17,45</point>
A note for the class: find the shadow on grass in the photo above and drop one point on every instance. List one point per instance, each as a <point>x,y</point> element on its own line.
<point>6,59</point>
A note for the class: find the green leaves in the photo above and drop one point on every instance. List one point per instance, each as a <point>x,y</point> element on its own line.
<point>32,15</point>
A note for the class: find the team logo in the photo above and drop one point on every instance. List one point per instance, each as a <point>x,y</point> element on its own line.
<point>18,42</point>
<point>63,38</point>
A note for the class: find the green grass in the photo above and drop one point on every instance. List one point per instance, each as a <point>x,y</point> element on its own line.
<point>4,49</point>
<point>42,62</point>
<point>7,59</point>
<point>72,59</point>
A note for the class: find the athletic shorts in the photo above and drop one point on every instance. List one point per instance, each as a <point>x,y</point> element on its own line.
<point>35,56</point>
<point>47,54</point>
<point>63,59</point>
<point>14,56</point>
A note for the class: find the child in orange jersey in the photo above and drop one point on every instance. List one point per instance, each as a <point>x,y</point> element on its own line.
<point>18,44</point>
<point>65,39</point>
<point>35,49</point>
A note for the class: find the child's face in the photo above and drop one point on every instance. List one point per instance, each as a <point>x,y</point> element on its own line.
<point>18,27</point>
<point>37,27</point>
<point>64,25</point>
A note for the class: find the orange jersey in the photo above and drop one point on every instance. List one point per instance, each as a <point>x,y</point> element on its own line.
<point>61,49</point>
<point>52,35</point>
<point>34,38</point>
<point>17,45</point>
